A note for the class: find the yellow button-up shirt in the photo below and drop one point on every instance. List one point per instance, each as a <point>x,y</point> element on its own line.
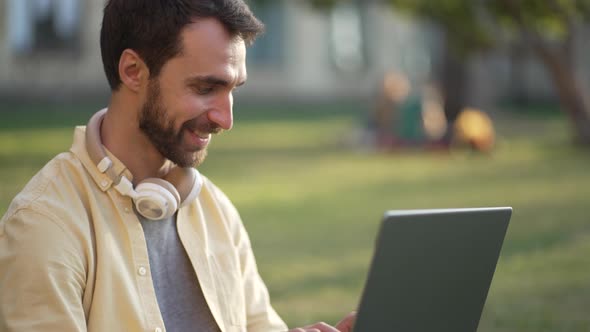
<point>73,256</point>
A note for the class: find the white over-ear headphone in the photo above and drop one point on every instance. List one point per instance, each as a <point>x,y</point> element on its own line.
<point>154,198</point>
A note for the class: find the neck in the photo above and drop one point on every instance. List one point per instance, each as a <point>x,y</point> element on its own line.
<point>121,135</point>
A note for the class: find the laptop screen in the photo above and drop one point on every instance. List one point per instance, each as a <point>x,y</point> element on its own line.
<point>432,269</point>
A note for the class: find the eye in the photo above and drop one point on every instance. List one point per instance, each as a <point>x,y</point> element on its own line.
<point>238,87</point>
<point>204,90</point>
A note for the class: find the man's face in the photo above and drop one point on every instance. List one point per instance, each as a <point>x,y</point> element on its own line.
<point>192,98</point>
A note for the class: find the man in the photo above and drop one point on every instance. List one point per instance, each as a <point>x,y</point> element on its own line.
<point>96,240</point>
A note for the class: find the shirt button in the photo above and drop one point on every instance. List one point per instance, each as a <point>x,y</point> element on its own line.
<point>127,210</point>
<point>104,183</point>
<point>142,271</point>
<point>158,329</point>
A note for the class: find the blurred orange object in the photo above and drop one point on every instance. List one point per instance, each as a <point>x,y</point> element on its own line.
<point>474,128</point>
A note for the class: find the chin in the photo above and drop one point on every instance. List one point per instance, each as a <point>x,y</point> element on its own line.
<point>193,159</point>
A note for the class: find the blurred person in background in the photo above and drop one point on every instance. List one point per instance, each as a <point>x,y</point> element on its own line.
<point>393,90</point>
<point>402,118</point>
<point>121,233</point>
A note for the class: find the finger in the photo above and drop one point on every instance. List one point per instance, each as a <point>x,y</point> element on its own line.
<point>347,323</point>
<point>322,327</point>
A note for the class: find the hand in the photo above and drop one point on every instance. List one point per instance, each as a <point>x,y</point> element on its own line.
<point>345,325</point>
<point>317,327</point>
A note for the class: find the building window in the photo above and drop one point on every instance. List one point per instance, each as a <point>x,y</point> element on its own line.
<point>38,26</point>
<point>268,48</point>
<point>347,40</point>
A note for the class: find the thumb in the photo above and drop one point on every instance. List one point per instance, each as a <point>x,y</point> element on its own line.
<point>347,323</point>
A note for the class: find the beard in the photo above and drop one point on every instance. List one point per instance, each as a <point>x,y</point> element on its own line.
<point>155,123</point>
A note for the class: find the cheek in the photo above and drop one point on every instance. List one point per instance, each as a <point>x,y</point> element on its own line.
<point>195,105</point>
<point>183,107</point>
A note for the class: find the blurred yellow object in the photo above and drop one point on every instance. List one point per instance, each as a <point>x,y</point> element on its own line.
<point>475,128</point>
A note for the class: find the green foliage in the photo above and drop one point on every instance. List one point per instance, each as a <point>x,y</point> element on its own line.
<point>472,25</point>
<point>312,205</point>
<point>552,19</point>
<point>461,20</point>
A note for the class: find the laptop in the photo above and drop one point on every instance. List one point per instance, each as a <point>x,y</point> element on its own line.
<point>432,269</point>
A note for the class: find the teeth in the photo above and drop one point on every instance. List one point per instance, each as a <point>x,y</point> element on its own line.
<point>200,135</point>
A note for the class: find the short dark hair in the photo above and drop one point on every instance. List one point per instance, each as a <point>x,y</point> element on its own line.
<point>152,29</point>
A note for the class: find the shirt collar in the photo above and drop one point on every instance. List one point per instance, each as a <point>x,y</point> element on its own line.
<point>103,181</point>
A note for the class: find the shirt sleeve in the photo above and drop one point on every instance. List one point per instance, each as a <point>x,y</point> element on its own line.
<point>42,275</point>
<point>261,316</point>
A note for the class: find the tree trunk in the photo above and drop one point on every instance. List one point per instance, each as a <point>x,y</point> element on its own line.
<point>571,95</point>
<point>453,84</point>
<point>518,93</point>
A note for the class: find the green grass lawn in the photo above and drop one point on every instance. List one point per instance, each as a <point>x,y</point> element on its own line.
<point>312,204</point>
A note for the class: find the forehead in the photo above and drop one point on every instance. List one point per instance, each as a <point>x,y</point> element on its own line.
<point>208,48</point>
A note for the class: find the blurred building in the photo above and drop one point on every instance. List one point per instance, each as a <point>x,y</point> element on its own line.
<point>50,48</point>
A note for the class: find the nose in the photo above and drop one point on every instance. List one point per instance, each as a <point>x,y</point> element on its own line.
<point>222,113</point>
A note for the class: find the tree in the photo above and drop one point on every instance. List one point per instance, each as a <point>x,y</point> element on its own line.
<point>547,26</point>
<point>463,35</point>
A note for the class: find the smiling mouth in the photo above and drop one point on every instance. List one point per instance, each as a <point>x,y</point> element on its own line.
<point>200,135</point>
<point>198,139</point>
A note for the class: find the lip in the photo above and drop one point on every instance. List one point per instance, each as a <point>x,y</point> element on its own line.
<point>197,139</point>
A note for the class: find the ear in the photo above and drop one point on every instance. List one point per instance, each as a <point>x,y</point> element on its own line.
<point>132,70</point>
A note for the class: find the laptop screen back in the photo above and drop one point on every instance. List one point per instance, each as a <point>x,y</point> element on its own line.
<point>432,269</point>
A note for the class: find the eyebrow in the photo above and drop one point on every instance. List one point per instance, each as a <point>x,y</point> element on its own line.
<point>209,79</point>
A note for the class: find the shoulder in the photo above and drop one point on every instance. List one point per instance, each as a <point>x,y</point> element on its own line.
<point>213,194</point>
<point>54,177</point>
<point>33,232</point>
<point>51,202</point>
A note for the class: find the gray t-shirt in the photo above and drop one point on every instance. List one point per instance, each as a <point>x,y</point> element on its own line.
<point>178,291</point>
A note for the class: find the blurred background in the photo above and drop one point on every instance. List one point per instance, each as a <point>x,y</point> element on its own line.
<point>353,108</point>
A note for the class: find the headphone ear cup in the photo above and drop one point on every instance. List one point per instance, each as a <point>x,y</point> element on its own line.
<point>156,199</point>
<point>188,181</point>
